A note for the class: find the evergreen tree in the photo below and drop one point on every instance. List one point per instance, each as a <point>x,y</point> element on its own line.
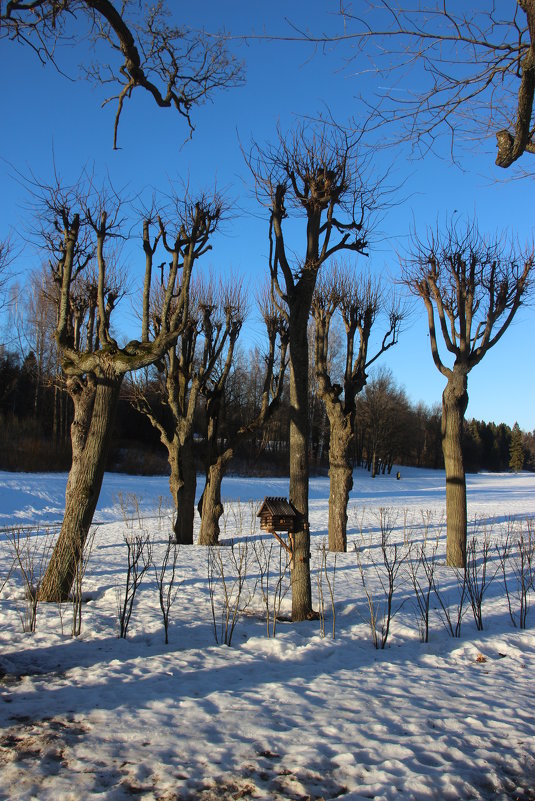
<point>516,450</point>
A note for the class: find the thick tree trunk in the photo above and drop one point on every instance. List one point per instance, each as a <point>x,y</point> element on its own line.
<point>340,481</point>
<point>454,403</point>
<point>95,409</point>
<point>299,470</point>
<point>210,506</point>
<point>183,484</point>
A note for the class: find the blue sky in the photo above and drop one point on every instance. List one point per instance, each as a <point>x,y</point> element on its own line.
<point>47,118</point>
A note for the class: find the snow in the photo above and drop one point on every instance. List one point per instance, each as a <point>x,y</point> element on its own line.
<point>295,716</point>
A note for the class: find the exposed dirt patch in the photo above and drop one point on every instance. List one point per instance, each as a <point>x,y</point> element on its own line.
<point>277,784</point>
<point>44,739</point>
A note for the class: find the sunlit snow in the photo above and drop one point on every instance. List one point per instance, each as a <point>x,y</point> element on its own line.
<point>296,716</point>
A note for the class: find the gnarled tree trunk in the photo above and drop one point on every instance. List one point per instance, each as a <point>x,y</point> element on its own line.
<point>340,480</point>
<point>454,403</point>
<point>210,506</point>
<point>95,407</point>
<point>183,484</point>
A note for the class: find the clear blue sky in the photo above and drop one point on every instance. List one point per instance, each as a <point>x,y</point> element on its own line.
<point>46,116</point>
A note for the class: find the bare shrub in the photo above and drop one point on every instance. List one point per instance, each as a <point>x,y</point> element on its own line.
<point>6,574</point>
<point>478,578</point>
<point>382,609</point>
<point>31,550</point>
<point>328,574</point>
<point>517,562</point>
<point>358,517</point>
<point>244,517</point>
<point>451,615</point>
<point>168,587</point>
<point>427,520</point>
<point>131,510</point>
<point>227,575</point>
<point>76,592</point>
<point>422,578</point>
<point>139,559</point>
<point>406,530</point>
<point>273,563</point>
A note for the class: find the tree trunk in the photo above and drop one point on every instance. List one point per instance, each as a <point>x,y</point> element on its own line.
<point>454,403</point>
<point>183,484</point>
<point>210,506</point>
<point>340,482</point>
<point>374,463</point>
<point>55,427</point>
<point>299,470</point>
<point>95,409</point>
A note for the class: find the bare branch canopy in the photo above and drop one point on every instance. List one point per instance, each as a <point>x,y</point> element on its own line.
<point>476,69</point>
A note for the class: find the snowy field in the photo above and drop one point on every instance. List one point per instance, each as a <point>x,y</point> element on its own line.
<point>298,715</point>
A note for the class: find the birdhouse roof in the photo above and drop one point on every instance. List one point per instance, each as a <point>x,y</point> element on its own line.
<point>278,507</point>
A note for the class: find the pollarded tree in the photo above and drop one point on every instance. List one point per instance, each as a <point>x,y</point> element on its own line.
<point>188,366</point>
<point>210,507</point>
<point>316,173</point>
<point>79,229</point>
<point>221,445</point>
<point>180,68</point>
<point>474,285</point>
<point>360,302</point>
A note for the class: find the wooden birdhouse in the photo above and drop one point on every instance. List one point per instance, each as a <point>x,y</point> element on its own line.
<point>276,514</point>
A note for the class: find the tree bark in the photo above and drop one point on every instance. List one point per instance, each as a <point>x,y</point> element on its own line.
<point>454,403</point>
<point>210,506</point>
<point>299,466</point>
<point>95,409</point>
<point>340,481</point>
<point>183,484</point>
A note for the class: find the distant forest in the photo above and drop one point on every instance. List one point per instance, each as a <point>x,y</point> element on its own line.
<point>36,414</point>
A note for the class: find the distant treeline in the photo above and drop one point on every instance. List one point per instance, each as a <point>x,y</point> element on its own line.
<point>36,414</point>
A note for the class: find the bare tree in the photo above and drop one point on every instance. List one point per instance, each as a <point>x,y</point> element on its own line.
<point>315,173</point>
<point>32,322</point>
<point>32,319</point>
<point>213,324</point>
<point>474,285</point>
<point>209,507</point>
<point>178,67</point>
<point>221,449</point>
<point>360,302</point>
<point>383,414</point>
<point>79,228</point>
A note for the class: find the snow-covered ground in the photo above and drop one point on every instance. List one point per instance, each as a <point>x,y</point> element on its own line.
<point>296,716</point>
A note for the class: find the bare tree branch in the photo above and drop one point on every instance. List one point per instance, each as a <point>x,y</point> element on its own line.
<point>179,68</point>
<point>475,284</point>
<point>476,70</point>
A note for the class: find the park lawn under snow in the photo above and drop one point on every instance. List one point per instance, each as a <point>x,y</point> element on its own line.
<point>296,716</point>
